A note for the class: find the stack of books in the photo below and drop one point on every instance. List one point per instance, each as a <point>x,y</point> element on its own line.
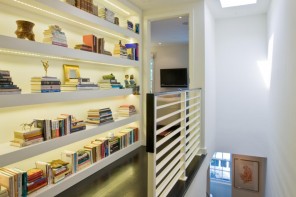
<point>13,182</point>
<point>132,51</point>
<point>3,192</point>
<point>70,85</point>
<point>6,84</point>
<point>60,170</point>
<point>96,151</point>
<point>106,14</point>
<point>77,125</point>
<point>83,159</point>
<point>126,110</point>
<point>36,179</point>
<point>71,158</point>
<point>120,51</point>
<point>83,47</point>
<point>27,137</point>
<point>99,116</point>
<point>45,84</point>
<point>54,35</point>
<point>86,84</point>
<point>106,84</point>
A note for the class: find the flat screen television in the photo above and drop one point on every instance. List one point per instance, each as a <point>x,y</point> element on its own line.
<point>174,77</point>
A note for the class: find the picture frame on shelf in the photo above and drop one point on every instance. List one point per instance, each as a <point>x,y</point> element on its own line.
<point>71,72</point>
<point>246,174</point>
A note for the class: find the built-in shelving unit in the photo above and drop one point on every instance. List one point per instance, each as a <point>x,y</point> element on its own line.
<point>14,100</point>
<point>10,154</point>
<point>25,54</point>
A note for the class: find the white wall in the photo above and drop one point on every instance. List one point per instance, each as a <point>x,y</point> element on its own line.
<point>169,56</point>
<point>199,184</point>
<point>281,171</point>
<point>219,189</point>
<point>242,96</point>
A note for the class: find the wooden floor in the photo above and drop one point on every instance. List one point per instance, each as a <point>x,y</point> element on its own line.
<point>126,177</point>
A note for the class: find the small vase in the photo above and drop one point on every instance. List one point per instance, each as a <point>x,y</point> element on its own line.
<point>25,30</point>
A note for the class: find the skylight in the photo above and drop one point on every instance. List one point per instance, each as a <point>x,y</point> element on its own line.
<point>232,3</point>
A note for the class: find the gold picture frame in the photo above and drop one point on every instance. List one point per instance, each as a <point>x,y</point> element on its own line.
<point>71,72</point>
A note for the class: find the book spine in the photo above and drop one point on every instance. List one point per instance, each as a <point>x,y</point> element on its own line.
<point>48,129</point>
<point>73,130</point>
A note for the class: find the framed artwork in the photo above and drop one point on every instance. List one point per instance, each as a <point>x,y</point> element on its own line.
<point>71,72</point>
<point>246,174</point>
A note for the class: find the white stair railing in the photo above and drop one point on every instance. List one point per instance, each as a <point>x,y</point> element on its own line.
<point>173,137</point>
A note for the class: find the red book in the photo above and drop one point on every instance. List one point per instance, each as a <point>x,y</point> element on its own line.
<point>91,40</point>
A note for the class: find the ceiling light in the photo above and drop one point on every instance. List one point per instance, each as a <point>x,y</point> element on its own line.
<point>160,43</point>
<point>180,17</point>
<point>126,12</point>
<point>232,3</point>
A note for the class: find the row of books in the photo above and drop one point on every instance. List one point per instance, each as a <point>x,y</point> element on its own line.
<point>6,84</point>
<point>15,182</point>
<point>46,129</point>
<point>86,5</point>
<point>99,149</point>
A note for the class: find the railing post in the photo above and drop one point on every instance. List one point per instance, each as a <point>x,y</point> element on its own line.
<point>183,134</point>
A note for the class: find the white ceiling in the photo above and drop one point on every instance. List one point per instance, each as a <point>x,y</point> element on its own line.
<point>172,31</point>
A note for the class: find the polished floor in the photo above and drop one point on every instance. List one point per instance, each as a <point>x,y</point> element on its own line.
<point>127,177</point>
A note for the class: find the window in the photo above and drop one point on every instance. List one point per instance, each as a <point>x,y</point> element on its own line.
<point>220,168</point>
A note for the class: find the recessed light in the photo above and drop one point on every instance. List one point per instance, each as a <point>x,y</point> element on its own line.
<point>160,43</point>
<point>180,17</point>
<point>232,3</point>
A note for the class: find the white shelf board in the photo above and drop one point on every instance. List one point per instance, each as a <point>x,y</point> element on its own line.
<point>54,189</point>
<point>10,154</point>
<point>62,11</point>
<point>32,48</point>
<point>14,100</point>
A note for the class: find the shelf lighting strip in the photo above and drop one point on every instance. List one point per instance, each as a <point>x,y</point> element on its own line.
<point>68,19</point>
<point>114,5</point>
<point>53,57</point>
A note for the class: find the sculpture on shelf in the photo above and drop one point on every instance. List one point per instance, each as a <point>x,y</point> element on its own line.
<point>25,30</point>
<point>116,20</point>
<point>126,81</point>
<point>45,66</point>
<point>111,76</point>
<point>132,84</point>
<point>132,81</point>
<point>27,125</point>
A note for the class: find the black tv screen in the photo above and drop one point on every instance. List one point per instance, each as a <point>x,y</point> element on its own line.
<point>174,77</point>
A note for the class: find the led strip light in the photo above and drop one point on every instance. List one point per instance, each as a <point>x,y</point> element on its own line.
<point>68,19</point>
<point>114,5</point>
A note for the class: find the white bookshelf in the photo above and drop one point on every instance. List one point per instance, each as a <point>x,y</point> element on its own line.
<point>54,189</point>
<point>63,11</point>
<point>10,154</point>
<point>14,100</point>
<point>36,49</point>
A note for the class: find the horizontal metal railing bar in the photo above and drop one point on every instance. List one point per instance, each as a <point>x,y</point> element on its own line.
<point>169,104</point>
<point>188,161</point>
<point>168,126</point>
<point>168,158</point>
<point>193,105</point>
<point>168,168</point>
<point>192,150</point>
<point>192,120</point>
<point>193,127</point>
<point>168,179</point>
<point>191,136</point>
<point>169,115</point>
<point>191,113</point>
<point>175,92</point>
<point>169,136</point>
<point>191,98</point>
<point>192,142</point>
<point>166,149</point>
<point>171,184</point>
